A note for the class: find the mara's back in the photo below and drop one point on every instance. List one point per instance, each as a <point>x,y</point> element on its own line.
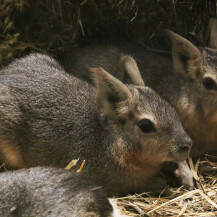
<point>48,117</point>
<point>186,78</point>
<point>155,66</point>
<point>51,192</point>
<point>45,110</point>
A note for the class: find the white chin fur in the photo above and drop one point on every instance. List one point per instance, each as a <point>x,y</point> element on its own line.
<point>116,210</point>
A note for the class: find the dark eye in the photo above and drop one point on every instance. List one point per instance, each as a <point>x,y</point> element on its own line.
<point>146,126</point>
<point>209,84</point>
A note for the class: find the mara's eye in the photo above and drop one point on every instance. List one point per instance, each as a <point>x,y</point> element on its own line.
<point>146,126</point>
<point>209,84</point>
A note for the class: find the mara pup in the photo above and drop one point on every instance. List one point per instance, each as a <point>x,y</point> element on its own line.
<point>124,132</point>
<point>51,192</point>
<point>186,78</point>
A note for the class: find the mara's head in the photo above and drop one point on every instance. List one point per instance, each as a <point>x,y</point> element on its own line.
<point>148,127</point>
<point>196,68</point>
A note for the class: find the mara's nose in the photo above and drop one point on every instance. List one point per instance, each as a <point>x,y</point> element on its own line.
<point>185,144</point>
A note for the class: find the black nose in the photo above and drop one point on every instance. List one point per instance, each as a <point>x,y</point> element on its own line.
<point>185,145</point>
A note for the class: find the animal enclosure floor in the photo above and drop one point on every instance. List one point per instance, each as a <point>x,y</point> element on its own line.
<point>202,201</point>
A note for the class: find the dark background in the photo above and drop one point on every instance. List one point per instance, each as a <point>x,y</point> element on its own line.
<point>54,25</point>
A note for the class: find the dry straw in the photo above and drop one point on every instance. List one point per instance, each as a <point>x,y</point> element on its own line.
<point>178,202</point>
<point>54,25</point>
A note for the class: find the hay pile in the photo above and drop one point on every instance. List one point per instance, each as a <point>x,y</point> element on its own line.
<point>178,202</point>
<point>53,25</point>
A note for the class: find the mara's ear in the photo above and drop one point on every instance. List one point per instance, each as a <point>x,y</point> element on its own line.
<point>187,58</point>
<point>131,71</point>
<point>212,35</point>
<point>114,98</point>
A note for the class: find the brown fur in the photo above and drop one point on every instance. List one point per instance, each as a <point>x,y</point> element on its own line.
<point>124,132</point>
<point>213,33</point>
<point>103,84</point>
<point>201,128</point>
<point>186,63</point>
<point>11,155</point>
<point>196,105</point>
<point>179,79</point>
<point>149,164</point>
<point>130,71</point>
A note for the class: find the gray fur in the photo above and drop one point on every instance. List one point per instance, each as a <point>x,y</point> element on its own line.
<point>48,117</point>
<point>50,192</point>
<point>171,78</point>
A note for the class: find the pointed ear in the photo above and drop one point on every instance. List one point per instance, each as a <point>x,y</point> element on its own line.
<point>212,33</point>
<point>131,71</point>
<point>187,58</point>
<point>114,98</point>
